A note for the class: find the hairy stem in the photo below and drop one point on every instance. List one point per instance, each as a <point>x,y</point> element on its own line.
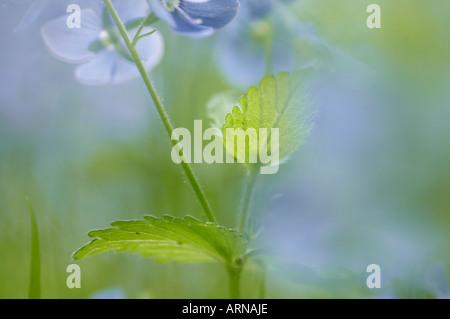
<point>234,276</point>
<point>161,111</point>
<point>146,21</point>
<point>253,173</point>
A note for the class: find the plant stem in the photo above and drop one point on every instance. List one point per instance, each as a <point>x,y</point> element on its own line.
<point>262,284</point>
<point>234,275</point>
<point>253,173</point>
<point>161,111</point>
<point>149,19</point>
<point>268,48</point>
<point>269,55</point>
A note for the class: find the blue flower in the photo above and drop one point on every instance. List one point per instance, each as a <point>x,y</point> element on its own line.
<point>259,8</point>
<point>257,43</point>
<point>98,48</point>
<point>195,18</point>
<point>437,282</point>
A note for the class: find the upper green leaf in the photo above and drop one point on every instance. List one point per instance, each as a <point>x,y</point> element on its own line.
<point>169,239</point>
<point>279,103</point>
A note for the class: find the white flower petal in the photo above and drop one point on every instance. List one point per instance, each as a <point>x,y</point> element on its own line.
<point>72,45</point>
<point>150,49</point>
<point>110,67</point>
<point>131,9</point>
<point>99,70</point>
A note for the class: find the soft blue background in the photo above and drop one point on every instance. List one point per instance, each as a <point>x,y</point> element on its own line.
<point>370,185</point>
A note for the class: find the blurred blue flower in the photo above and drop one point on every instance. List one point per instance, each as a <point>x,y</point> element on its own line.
<point>262,39</point>
<point>98,47</point>
<point>114,293</point>
<point>437,282</point>
<point>259,8</point>
<point>195,18</point>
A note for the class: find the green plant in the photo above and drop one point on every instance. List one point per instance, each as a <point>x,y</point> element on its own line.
<point>279,103</point>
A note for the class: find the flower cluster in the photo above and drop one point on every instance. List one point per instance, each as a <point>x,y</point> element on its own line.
<point>263,39</point>
<point>98,48</point>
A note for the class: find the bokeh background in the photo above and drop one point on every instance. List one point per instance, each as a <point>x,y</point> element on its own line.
<point>370,185</point>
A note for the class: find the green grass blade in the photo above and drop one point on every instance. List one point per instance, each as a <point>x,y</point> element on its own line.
<point>34,291</point>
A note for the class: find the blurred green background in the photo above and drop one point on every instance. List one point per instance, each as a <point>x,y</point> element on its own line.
<point>371,185</point>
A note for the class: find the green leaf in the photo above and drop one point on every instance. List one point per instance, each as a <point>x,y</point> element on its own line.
<point>34,290</point>
<point>219,105</point>
<point>169,239</point>
<point>280,103</point>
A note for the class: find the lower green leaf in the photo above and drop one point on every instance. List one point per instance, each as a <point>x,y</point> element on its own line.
<point>169,239</point>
